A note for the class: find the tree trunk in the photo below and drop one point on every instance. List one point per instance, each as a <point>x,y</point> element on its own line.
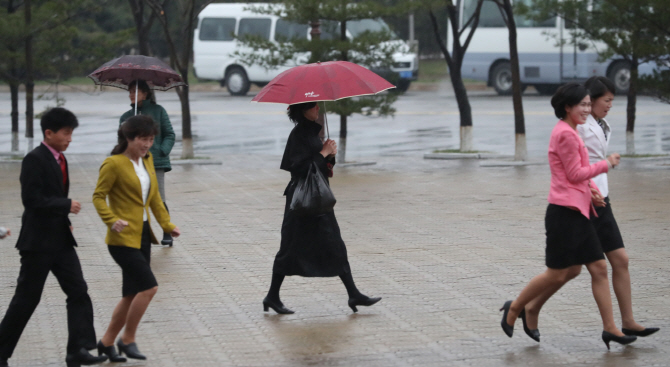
<point>30,84</point>
<point>630,109</point>
<point>520,152</point>
<point>342,146</point>
<point>14,92</point>
<point>187,136</point>
<point>464,109</point>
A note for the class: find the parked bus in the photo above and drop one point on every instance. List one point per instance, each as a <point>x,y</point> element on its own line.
<point>548,55</point>
<point>219,26</point>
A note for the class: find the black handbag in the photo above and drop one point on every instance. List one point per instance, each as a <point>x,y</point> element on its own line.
<point>312,195</point>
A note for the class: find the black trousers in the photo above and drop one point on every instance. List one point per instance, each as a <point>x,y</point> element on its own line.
<point>35,267</point>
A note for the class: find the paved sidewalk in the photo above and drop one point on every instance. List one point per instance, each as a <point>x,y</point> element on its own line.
<point>445,243</point>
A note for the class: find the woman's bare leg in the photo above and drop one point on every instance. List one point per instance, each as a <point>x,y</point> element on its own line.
<point>135,313</point>
<point>118,320</point>
<point>622,289</point>
<point>601,292</point>
<point>535,305</point>
<point>551,278</point>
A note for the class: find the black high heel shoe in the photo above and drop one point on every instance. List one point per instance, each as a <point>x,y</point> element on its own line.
<point>110,352</point>
<point>532,333</point>
<point>130,350</point>
<point>508,329</point>
<point>278,307</point>
<point>364,301</point>
<point>646,332</point>
<point>623,340</point>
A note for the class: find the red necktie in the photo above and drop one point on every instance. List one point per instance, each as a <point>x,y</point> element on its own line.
<point>63,169</point>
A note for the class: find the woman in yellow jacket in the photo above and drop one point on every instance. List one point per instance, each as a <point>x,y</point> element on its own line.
<point>128,179</point>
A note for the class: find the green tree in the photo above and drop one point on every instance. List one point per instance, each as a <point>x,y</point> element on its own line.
<point>629,29</point>
<point>49,39</point>
<point>370,49</point>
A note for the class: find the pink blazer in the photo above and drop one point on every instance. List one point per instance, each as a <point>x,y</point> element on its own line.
<point>570,170</point>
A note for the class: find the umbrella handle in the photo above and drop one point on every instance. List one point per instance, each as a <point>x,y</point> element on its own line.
<point>136,88</point>
<point>325,120</point>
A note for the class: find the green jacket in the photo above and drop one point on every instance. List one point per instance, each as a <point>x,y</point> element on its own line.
<point>164,140</point>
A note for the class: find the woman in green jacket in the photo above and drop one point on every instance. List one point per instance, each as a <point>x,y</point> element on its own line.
<point>163,141</point>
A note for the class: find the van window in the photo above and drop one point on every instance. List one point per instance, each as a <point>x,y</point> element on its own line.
<point>259,27</point>
<point>217,29</point>
<point>285,30</point>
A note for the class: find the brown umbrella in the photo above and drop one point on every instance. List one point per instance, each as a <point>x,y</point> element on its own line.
<point>123,70</point>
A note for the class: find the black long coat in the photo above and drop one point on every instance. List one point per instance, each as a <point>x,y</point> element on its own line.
<point>310,246</point>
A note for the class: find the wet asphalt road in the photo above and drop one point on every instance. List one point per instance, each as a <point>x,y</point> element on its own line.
<point>424,121</point>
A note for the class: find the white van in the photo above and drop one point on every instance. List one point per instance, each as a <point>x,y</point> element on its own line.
<point>215,43</point>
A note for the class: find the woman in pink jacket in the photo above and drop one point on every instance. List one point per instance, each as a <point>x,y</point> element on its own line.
<point>571,238</point>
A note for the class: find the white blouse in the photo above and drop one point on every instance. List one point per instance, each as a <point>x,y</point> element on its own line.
<point>145,181</point>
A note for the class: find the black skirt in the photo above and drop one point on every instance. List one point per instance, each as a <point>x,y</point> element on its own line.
<point>135,265</point>
<point>310,246</point>
<point>607,228</point>
<point>571,238</point>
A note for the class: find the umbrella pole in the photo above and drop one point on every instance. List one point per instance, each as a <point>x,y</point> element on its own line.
<point>325,120</point>
<point>136,88</point>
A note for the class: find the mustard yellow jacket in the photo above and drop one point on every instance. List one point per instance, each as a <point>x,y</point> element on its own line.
<point>119,183</point>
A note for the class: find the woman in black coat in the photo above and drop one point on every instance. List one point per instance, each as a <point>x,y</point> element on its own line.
<point>311,246</point>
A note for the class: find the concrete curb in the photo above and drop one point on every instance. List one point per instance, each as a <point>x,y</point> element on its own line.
<point>465,156</point>
<point>355,164</point>
<point>201,162</point>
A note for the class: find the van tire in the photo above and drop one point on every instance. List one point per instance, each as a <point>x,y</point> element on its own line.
<point>619,74</point>
<point>237,82</point>
<point>501,78</point>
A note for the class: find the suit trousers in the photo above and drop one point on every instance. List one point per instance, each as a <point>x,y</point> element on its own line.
<point>35,267</point>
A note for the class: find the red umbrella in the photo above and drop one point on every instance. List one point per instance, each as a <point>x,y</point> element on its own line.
<point>125,69</point>
<point>322,81</point>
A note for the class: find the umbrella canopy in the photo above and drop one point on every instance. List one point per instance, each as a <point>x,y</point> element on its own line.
<point>125,69</point>
<point>322,81</point>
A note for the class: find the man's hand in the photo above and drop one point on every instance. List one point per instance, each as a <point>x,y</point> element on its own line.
<point>75,207</point>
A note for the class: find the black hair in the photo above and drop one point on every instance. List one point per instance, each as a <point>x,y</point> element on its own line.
<point>598,86</point>
<point>56,119</point>
<point>136,126</point>
<point>296,111</point>
<point>144,87</point>
<point>568,95</point>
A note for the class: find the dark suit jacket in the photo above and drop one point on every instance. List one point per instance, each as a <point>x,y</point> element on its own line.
<point>45,225</point>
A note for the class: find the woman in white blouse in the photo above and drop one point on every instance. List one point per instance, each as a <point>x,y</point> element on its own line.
<point>128,180</point>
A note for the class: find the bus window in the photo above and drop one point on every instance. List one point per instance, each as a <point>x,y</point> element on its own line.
<point>259,27</point>
<point>285,30</point>
<point>217,29</point>
<point>490,16</point>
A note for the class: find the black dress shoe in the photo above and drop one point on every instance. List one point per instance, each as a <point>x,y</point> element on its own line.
<point>362,301</point>
<point>508,329</point>
<point>110,352</point>
<point>646,332</point>
<point>277,306</point>
<point>626,339</point>
<point>532,333</point>
<point>167,240</point>
<point>130,350</point>
<point>83,357</point>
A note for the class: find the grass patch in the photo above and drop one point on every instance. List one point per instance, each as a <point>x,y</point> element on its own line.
<point>432,71</point>
<point>642,155</point>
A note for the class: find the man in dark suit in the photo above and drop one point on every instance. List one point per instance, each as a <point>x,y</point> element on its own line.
<point>46,244</point>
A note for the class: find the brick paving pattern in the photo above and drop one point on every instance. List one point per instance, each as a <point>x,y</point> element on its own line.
<point>445,243</point>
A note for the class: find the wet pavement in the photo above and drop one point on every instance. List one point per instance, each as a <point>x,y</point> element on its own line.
<point>445,243</point>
